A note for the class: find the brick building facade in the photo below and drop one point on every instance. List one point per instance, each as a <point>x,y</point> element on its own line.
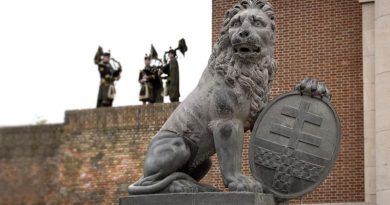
<point>95,154</point>
<point>323,39</point>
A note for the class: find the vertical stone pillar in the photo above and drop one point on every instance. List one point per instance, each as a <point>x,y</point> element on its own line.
<point>368,17</point>
<point>382,100</point>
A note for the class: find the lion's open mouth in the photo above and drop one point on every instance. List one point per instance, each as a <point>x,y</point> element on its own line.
<point>246,49</point>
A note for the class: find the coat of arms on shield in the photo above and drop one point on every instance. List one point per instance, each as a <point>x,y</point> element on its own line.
<point>294,144</point>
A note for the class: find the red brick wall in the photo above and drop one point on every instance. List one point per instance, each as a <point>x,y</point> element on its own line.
<point>96,154</point>
<point>28,163</point>
<point>90,159</point>
<point>102,151</point>
<point>322,39</point>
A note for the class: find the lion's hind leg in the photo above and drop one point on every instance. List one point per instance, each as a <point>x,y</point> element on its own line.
<point>167,153</point>
<point>193,185</point>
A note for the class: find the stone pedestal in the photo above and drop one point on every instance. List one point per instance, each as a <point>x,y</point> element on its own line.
<point>220,198</point>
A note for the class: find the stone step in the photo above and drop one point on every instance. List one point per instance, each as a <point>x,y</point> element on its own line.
<point>219,198</point>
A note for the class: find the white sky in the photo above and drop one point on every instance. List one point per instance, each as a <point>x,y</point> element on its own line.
<point>47,49</point>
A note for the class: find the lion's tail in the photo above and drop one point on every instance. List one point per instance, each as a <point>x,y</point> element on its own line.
<point>136,188</point>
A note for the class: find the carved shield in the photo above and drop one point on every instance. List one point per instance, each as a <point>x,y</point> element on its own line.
<point>294,144</point>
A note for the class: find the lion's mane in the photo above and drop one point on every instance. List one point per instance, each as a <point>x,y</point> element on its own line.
<point>256,80</point>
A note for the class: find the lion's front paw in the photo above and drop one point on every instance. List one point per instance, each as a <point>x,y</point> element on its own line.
<point>245,184</point>
<point>313,88</point>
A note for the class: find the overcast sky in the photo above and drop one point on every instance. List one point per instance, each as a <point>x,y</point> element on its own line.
<point>47,49</point>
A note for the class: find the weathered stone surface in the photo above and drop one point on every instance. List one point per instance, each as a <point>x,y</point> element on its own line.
<point>382,98</point>
<point>294,144</point>
<point>232,198</point>
<point>234,87</point>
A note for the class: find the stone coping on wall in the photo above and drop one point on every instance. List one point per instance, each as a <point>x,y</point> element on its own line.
<point>366,1</point>
<point>134,117</point>
<point>126,117</point>
<point>30,128</point>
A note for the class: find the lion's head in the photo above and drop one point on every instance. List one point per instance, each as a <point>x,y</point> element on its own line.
<point>244,52</point>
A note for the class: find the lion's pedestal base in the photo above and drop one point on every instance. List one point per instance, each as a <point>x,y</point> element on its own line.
<point>224,198</point>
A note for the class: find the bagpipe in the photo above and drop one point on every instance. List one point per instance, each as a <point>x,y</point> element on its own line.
<point>182,47</point>
<point>115,64</point>
<point>98,57</point>
<point>161,68</point>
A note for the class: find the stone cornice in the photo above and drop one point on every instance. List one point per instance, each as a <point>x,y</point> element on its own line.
<point>366,1</point>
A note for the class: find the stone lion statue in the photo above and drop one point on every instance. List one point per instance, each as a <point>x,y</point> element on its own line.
<point>233,89</point>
